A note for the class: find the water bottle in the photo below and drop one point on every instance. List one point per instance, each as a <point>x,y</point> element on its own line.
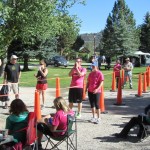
<point>50,120</point>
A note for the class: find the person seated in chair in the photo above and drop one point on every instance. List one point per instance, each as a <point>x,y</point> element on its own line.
<point>17,120</point>
<point>58,121</point>
<point>139,120</point>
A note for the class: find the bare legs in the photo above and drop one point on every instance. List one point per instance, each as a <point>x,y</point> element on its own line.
<point>79,106</point>
<point>42,92</point>
<point>97,111</point>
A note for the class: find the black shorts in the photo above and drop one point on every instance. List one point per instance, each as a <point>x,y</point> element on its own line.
<point>42,127</point>
<point>75,95</point>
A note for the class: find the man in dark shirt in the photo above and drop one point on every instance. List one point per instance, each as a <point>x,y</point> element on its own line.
<point>12,73</point>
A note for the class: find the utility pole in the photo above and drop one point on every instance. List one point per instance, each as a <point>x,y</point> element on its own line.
<point>94,44</point>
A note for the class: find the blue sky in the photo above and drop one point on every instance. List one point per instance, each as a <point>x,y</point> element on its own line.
<point>94,14</point>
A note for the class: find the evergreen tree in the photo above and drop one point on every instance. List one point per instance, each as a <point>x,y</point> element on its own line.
<point>145,34</point>
<point>120,35</point>
<point>78,43</point>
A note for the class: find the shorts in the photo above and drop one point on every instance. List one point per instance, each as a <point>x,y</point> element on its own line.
<point>42,127</point>
<point>14,87</point>
<point>94,100</point>
<point>75,95</point>
<point>41,86</point>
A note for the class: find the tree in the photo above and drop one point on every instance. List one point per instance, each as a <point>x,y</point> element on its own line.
<point>68,33</point>
<point>145,34</point>
<point>78,43</point>
<point>32,21</point>
<point>120,35</point>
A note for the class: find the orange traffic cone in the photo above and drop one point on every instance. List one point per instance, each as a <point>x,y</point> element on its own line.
<point>144,83</point>
<point>147,78</point>
<point>122,76</point>
<point>37,108</point>
<point>113,87</point>
<point>139,94</point>
<point>119,94</point>
<point>102,104</point>
<point>57,87</point>
<point>84,90</point>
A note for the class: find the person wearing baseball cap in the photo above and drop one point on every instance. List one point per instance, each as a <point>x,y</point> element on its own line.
<point>13,57</point>
<point>94,83</point>
<point>128,66</point>
<point>12,73</point>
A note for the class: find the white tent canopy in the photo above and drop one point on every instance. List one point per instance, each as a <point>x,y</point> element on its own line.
<point>141,53</point>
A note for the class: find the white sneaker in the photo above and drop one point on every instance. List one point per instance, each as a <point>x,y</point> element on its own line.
<point>97,121</point>
<point>92,120</point>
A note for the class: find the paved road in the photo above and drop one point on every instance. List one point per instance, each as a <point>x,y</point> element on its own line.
<point>92,136</point>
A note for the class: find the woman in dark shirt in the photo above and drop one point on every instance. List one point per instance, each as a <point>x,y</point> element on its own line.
<point>42,81</point>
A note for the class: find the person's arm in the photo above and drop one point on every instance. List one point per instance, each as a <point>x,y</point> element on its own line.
<point>44,73</point>
<point>8,126</point>
<point>53,128</point>
<point>98,88</point>
<point>19,72</point>
<point>80,73</point>
<point>5,78</point>
<point>71,71</point>
<point>19,75</point>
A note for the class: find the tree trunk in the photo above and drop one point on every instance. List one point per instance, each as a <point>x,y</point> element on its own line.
<point>61,51</point>
<point>2,67</point>
<point>25,67</point>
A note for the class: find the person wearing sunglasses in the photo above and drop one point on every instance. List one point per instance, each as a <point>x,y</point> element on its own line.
<point>76,87</point>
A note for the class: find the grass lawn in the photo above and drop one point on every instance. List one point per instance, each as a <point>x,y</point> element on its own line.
<point>28,79</point>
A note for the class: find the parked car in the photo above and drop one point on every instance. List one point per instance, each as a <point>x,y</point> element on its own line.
<point>57,61</point>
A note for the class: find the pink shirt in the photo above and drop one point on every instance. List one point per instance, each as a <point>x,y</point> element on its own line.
<point>94,80</point>
<point>76,79</point>
<point>117,72</point>
<point>60,120</point>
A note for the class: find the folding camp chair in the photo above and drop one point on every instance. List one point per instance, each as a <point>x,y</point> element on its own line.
<point>70,136</point>
<point>146,130</point>
<point>31,133</point>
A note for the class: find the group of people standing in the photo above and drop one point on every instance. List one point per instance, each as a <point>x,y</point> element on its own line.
<point>128,66</point>
<point>50,123</point>
<point>12,74</point>
<point>94,83</point>
<point>57,121</point>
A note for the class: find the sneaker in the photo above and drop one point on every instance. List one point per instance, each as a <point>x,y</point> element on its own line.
<point>97,121</point>
<point>78,115</point>
<point>131,87</point>
<point>92,120</point>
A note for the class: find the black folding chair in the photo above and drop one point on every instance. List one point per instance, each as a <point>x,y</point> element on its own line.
<point>146,130</point>
<point>70,136</point>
